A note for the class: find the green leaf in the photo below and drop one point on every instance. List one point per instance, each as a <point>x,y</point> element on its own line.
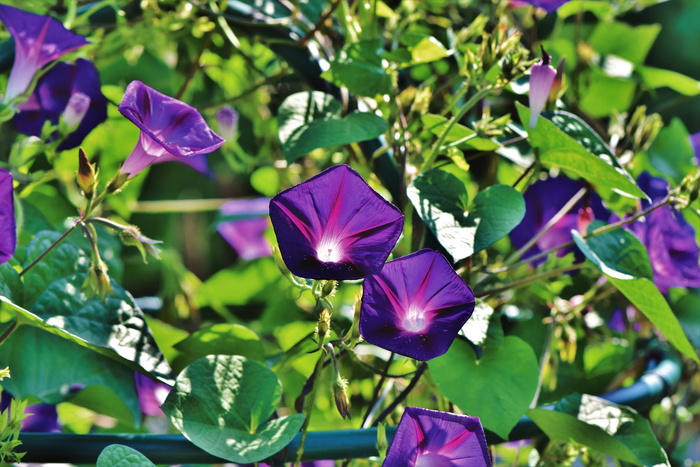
<point>222,404</point>
<point>220,339</point>
<point>658,78</point>
<point>477,326</point>
<point>440,199</point>
<point>118,455</point>
<point>423,48</point>
<point>466,137</point>
<point>617,253</point>
<point>557,149</point>
<point>359,67</point>
<point>605,94</point>
<point>671,151</point>
<point>602,10</point>
<point>629,42</point>
<point>51,367</point>
<point>11,286</point>
<point>238,285</point>
<point>646,297</point>
<point>501,384</point>
<point>601,425</point>
<point>311,120</point>
<point>266,180</point>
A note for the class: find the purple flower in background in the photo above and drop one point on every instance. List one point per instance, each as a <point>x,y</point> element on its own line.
<point>151,394</point>
<point>429,438</point>
<point>39,40</point>
<point>227,118</point>
<point>548,5</point>
<point>695,142</point>
<point>334,226</point>
<point>44,418</point>
<point>170,130</point>
<point>669,239</point>
<point>542,77</point>
<point>543,199</point>
<point>70,92</point>
<point>8,228</point>
<point>245,232</point>
<point>415,306</point>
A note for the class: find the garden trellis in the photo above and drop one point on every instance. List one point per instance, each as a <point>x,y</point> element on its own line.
<point>405,232</point>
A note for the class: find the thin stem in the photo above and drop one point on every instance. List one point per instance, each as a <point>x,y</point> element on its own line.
<point>378,388</point>
<point>520,283</point>
<point>543,362</point>
<point>402,395</point>
<point>10,329</point>
<point>443,136</point>
<point>50,248</point>
<point>309,405</point>
<point>180,205</point>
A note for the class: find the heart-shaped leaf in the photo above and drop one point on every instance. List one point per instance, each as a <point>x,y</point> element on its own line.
<point>118,455</point>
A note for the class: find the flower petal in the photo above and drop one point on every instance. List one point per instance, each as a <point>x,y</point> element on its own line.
<point>8,228</point>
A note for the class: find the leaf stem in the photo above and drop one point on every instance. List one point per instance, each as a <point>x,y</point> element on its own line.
<point>377,389</point>
<point>310,401</point>
<point>50,248</point>
<point>403,394</point>
<point>527,280</point>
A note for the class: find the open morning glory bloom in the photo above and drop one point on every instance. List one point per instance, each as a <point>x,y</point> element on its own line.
<point>170,130</point>
<point>669,239</point>
<point>429,438</point>
<point>43,418</point>
<point>543,200</point>
<point>415,306</point>
<point>8,228</point>
<point>542,77</point>
<point>244,232</point>
<point>547,5</point>
<point>39,40</point>
<point>67,92</point>
<point>151,394</point>
<point>334,226</point>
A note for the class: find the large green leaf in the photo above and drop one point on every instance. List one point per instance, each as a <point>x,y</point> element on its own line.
<point>11,286</point>
<point>659,78</point>
<point>617,253</point>
<point>671,151</point>
<point>223,403</point>
<point>220,339</point>
<point>631,43</point>
<point>441,200</point>
<point>359,67</point>
<point>238,285</point>
<point>312,120</point>
<point>609,428</point>
<point>558,149</point>
<point>497,388</point>
<point>118,455</point>
<point>51,369</point>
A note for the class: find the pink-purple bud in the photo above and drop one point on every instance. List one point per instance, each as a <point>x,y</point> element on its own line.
<point>77,107</point>
<point>541,80</point>
<point>227,119</point>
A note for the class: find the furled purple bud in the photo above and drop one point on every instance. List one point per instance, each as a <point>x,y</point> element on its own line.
<point>75,111</point>
<point>39,40</point>
<point>227,118</point>
<point>334,226</point>
<point>415,306</point>
<point>429,438</point>
<point>8,227</point>
<point>541,80</point>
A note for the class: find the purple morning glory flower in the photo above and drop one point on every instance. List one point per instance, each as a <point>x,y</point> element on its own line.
<point>245,233</point>
<point>39,40</point>
<point>8,228</point>
<point>429,438</point>
<point>44,418</point>
<point>547,5</point>
<point>415,306</point>
<point>542,77</point>
<point>543,199</point>
<point>151,394</point>
<point>695,142</point>
<point>170,130</point>
<point>70,92</point>
<point>334,226</point>
<point>669,239</point>
<point>227,118</point>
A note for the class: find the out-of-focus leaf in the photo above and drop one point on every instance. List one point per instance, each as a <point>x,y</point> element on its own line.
<point>601,425</point>
<point>11,286</point>
<point>671,151</point>
<point>422,48</point>
<point>220,339</point>
<point>622,40</point>
<point>223,403</point>
<point>501,384</point>
<point>311,120</point>
<point>238,285</point>
<point>358,66</point>
<point>117,455</point>
<point>659,78</point>
<point>605,94</point>
<point>477,327</point>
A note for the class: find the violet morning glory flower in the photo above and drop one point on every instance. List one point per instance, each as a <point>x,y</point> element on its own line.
<point>547,5</point>
<point>415,306</point>
<point>334,226</point>
<point>170,130</point>
<point>429,438</point>
<point>541,80</point>
<point>67,91</point>
<point>8,228</point>
<point>695,142</point>
<point>669,239</point>
<point>227,118</point>
<point>44,418</point>
<point>245,232</point>
<point>151,394</point>
<point>543,199</point>
<point>39,40</point>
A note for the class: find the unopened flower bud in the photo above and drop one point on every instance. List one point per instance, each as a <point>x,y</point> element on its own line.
<point>323,328</point>
<point>227,118</point>
<point>86,175</point>
<point>97,281</point>
<point>117,183</point>
<point>131,235</point>
<point>541,80</point>
<point>328,288</point>
<point>75,111</point>
<point>340,396</point>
